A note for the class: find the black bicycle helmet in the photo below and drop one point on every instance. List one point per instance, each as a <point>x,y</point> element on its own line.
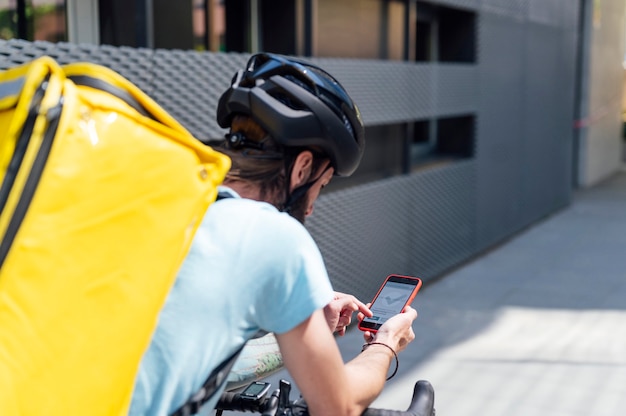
<point>299,105</point>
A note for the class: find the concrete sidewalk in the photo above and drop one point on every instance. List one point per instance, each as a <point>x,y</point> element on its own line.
<point>536,326</point>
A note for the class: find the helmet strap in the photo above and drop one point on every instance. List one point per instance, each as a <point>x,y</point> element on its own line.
<point>299,192</point>
<point>249,148</point>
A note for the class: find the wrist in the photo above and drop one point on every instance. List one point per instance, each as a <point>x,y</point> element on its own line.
<point>389,340</point>
<point>386,347</point>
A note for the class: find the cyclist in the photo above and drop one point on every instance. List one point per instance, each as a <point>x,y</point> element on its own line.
<point>252,266</point>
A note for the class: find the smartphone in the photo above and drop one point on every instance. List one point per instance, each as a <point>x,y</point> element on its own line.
<point>395,293</point>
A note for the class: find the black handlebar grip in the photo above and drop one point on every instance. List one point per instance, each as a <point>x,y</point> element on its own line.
<point>422,403</point>
<point>228,401</point>
<point>234,401</point>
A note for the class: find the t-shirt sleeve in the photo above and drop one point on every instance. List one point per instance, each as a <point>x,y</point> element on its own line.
<point>296,282</point>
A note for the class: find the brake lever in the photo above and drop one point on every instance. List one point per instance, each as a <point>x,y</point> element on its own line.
<point>283,397</point>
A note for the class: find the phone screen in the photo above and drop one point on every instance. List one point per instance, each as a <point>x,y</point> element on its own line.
<point>395,293</point>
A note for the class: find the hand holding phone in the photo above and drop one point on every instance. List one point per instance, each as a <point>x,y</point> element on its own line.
<point>395,293</point>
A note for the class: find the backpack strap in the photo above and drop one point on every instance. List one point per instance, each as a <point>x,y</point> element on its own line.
<point>223,195</point>
<point>99,84</point>
<point>211,385</point>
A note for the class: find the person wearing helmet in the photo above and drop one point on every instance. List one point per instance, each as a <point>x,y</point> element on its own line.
<point>254,267</point>
<point>277,108</point>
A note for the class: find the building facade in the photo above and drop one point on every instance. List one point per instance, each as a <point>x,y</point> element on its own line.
<point>482,116</point>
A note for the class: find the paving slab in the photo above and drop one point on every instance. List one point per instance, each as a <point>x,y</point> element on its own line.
<point>534,326</point>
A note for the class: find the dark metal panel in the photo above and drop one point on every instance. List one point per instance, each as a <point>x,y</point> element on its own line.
<point>570,13</point>
<point>457,89</point>
<point>405,92</point>
<point>548,117</point>
<point>135,64</point>
<point>443,218</point>
<point>461,4</point>
<point>188,84</point>
<point>500,127</point>
<point>132,63</point>
<point>420,224</point>
<point>364,234</point>
<point>548,12</point>
<point>516,9</point>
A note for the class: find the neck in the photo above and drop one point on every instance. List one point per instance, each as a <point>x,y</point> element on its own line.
<point>246,190</point>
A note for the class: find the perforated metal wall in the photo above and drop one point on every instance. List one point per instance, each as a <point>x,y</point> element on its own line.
<point>520,90</point>
<point>524,149</point>
<point>420,224</point>
<point>186,83</point>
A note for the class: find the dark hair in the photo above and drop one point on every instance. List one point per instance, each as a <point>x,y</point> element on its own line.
<point>263,162</point>
<point>252,166</point>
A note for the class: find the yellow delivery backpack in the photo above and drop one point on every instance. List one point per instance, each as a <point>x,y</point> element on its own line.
<point>101,193</point>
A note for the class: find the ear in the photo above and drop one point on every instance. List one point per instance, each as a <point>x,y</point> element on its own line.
<point>301,171</point>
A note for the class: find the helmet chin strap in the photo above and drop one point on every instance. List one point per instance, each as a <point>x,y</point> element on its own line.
<point>298,193</point>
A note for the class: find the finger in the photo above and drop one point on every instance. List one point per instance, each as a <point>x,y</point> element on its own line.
<point>349,302</point>
<point>362,315</point>
<point>410,311</point>
<point>344,320</point>
<point>344,304</point>
<point>363,308</point>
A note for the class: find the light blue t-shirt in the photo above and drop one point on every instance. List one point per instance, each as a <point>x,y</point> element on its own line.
<point>250,267</point>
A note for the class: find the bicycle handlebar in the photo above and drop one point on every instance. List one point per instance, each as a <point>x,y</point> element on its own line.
<point>422,403</point>
<point>233,401</point>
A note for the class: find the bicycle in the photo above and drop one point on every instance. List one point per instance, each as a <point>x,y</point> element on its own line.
<point>254,398</point>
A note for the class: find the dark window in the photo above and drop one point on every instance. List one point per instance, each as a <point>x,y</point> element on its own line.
<point>384,156</point>
<point>237,18</point>
<point>423,46</point>
<point>445,138</point>
<point>120,25</point>
<point>455,136</point>
<point>173,24</point>
<point>444,34</point>
<point>396,149</point>
<point>277,26</point>
<point>423,140</point>
<point>457,37</point>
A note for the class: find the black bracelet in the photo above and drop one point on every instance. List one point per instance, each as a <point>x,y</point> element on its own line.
<point>367,344</point>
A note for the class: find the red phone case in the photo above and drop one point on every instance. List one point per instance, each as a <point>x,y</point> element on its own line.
<point>409,300</point>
